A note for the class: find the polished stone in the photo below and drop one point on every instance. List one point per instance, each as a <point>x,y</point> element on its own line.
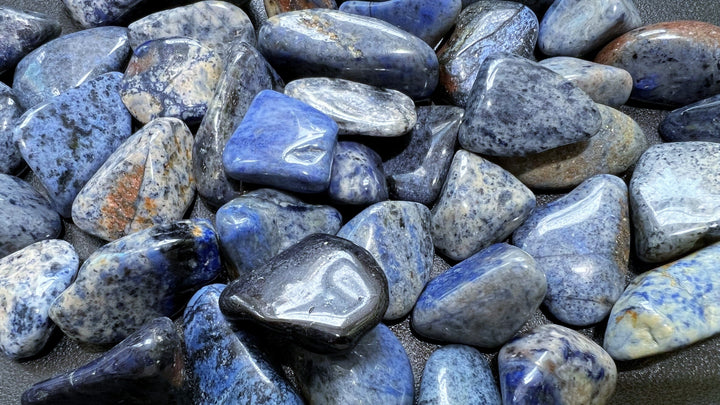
<point>94,13</point>
<point>10,111</point>
<point>537,6</point>
<point>357,176</point>
<point>21,32</point>
<point>695,122</point>
<point>275,7</point>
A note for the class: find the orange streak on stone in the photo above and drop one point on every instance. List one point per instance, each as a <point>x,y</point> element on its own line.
<point>118,209</point>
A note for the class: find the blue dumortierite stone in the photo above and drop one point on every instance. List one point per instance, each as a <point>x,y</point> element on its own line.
<point>21,32</point>
<point>68,62</point>
<point>225,364</point>
<point>134,279</point>
<point>695,122</point>
<point>94,13</point>
<point>282,142</point>
<point>145,368</point>
<point>458,375</point>
<point>30,279</point>
<point>357,175</point>
<point>331,43</point>
<point>10,110</point>
<point>555,365</point>
<point>66,140</point>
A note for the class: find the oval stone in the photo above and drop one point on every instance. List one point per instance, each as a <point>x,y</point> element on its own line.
<point>696,122</point>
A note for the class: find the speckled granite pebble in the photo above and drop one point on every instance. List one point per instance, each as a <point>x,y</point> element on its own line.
<point>21,32</point>
<point>94,13</point>
<point>695,122</point>
<point>357,176</point>
<point>10,110</point>
<point>275,7</point>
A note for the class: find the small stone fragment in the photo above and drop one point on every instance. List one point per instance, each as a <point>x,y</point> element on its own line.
<point>21,32</point>
<point>275,7</point>
<point>10,111</point>
<point>696,122</point>
<point>94,13</point>
<point>357,175</point>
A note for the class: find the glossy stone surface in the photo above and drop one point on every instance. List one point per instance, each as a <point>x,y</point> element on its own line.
<point>330,43</point>
<point>94,13</point>
<point>672,63</point>
<point>147,181</point>
<point>357,175</point>
<point>87,121</point>
<point>480,204</point>
<point>518,107</point>
<point>21,32</point>
<point>324,292</point>
<point>484,28</point>
<point>284,143</point>
<point>147,367</point>
<point>256,226</point>
<point>275,7</point>
<point>10,110</point>
<point>537,6</point>
<point>30,279</point>
<point>80,56</point>
<point>555,365</point>
<point>673,197</point>
<point>134,279</point>
<point>483,300</point>
<point>358,109</point>
<point>397,234</point>
<point>695,122</point>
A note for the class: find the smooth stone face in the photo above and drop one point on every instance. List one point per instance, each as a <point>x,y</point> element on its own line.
<point>275,7</point>
<point>696,122</point>
<point>21,32</point>
<point>555,365</point>
<point>134,279</point>
<point>324,292</point>
<point>673,197</point>
<point>94,13</point>
<point>518,107</point>
<point>358,109</point>
<point>147,181</point>
<point>80,56</point>
<point>672,63</point>
<point>147,367</point>
<point>66,140</point>
<point>483,300</point>
<point>330,43</point>
<point>284,143</point>
<point>537,6</point>
<point>30,279</point>
<point>357,175</point>
<point>480,204</point>
<point>10,110</point>
<point>483,29</point>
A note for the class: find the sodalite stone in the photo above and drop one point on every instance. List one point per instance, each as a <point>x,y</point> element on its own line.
<point>134,279</point>
<point>480,204</point>
<point>518,107</point>
<point>275,7</point>
<point>10,110</point>
<point>147,181</point>
<point>225,364</point>
<point>357,175</point>
<point>258,225</point>
<point>30,279</point>
<point>483,300</point>
<point>146,367</point>
<point>696,122</point>
<point>330,43</point>
<point>21,32</point>
<point>80,56</point>
<point>605,84</point>
<point>358,109</point>
<point>555,365</point>
<point>673,196</point>
<point>282,142</point>
<point>94,13</point>
<point>76,132</point>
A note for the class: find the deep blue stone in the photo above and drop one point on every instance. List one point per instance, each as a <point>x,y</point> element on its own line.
<point>21,32</point>
<point>357,175</point>
<point>10,110</point>
<point>94,13</point>
<point>696,122</point>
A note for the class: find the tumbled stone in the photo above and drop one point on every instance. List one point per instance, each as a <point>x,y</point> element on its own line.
<point>357,176</point>
<point>134,279</point>
<point>10,111</point>
<point>66,140</point>
<point>358,109</point>
<point>30,279</point>
<point>324,293</point>
<point>21,32</point>
<point>94,13</point>
<point>275,7</point>
<point>480,204</point>
<point>555,365</point>
<point>537,6</point>
<point>330,43</point>
<point>518,107</point>
<point>483,300</point>
<point>695,122</point>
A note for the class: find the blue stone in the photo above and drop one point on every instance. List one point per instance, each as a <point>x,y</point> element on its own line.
<point>695,122</point>
<point>30,279</point>
<point>357,176</point>
<point>132,280</point>
<point>66,140</point>
<point>483,300</point>
<point>80,56</point>
<point>10,110</point>
<point>94,13</point>
<point>21,32</point>
<point>284,143</point>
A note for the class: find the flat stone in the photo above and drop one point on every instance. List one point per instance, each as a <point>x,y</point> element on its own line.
<point>94,13</point>
<point>66,140</point>
<point>555,365</point>
<point>147,181</point>
<point>357,176</point>
<point>480,204</point>
<point>358,109</point>
<point>30,279</point>
<point>323,293</point>
<point>695,122</point>
<point>21,32</point>
<point>483,300</point>
<point>10,111</point>
<point>275,7</point>
<point>673,198</point>
<point>282,142</point>
<point>518,107</point>
<point>132,280</point>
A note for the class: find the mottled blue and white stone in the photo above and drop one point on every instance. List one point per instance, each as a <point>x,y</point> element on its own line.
<point>68,62</point>
<point>358,109</point>
<point>555,365</point>
<point>357,175</point>
<point>458,375</point>
<point>66,140</point>
<point>21,32</point>
<point>30,279</point>
<point>134,279</point>
<point>674,199</point>
<point>480,204</point>
<point>10,110</point>
<point>695,122</point>
<point>94,13</point>
<point>582,244</point>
